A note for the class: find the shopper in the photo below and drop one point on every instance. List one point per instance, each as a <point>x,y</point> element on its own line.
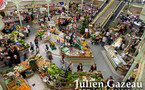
<point>70,66</point>
<point>10,54</point>
<point>25,56</point>
<point>80,68</point>
<point>100,74</point>
<point>36,41</point>
<point>104,40</point>
<point>16,60</point>
<point>8,62</point>
<point>16,52</point>
<point>32,18</point>
<point>64,67</point>
<point>63,58</point>
<point>28,27</point>
<point>31,46</point>
<point>27,32</point>
<point>47,48</point>
<point>120,79</point>
<point>37,50</point>
<point>93,68</point>
<point>110,82</point>
<point>26,19</point>
<point>1,57</point>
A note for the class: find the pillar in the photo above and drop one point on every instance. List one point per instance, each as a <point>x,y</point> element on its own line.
<point>82,5</point>
<point>17,2</point>
<point>2,25</point>
<point>48,2</point>
<point>137,60</point>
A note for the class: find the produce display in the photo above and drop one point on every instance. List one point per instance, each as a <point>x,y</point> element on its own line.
<point>41,62</point>
<point>23,66</point>
<point>39,33</point>
<point>17,42</point>
<point>7,71</point>
<point>80,48</point>
<point>16,84</point>
<point>59,75</point>
<point>112,54</point>
<point>35,21</point>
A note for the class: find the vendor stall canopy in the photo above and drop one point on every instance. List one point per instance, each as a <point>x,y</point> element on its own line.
<point>3,4</point>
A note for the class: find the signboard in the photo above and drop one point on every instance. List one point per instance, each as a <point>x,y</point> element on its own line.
<point>33,6</point>
<point>86,30</point>
<point>50,5</point>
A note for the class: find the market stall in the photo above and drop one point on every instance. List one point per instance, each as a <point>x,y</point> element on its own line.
<point>50,74</point>
<point>114,57</point>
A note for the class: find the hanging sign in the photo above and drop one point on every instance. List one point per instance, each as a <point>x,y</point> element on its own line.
<point>61,3</point>
<point>33,6</point>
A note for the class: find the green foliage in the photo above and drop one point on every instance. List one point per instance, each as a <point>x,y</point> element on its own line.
<point>14,32</point>
<point>7,71</point>
<point>38,56</point>
<point>23,43</point>
<point>70,77</point>
<point>39,34</point>
<point>75,75</point>
<point>81,78</point>
<point>53,70</point>
<point>83,26</point>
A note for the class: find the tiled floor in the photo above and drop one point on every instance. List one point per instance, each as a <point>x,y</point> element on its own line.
<point>99,58</point>
<point>39,84</point>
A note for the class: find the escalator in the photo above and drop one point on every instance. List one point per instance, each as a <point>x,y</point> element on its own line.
<point>108,10</point>
<point>118,10</point>
<point>101,8</point>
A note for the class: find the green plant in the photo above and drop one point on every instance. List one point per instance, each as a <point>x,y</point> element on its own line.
<point>81,78</point>
<point>70,77</point>
<point>83,26</point>
<point>39,34</point>
<point>14,32</point>
<point>7,71</point>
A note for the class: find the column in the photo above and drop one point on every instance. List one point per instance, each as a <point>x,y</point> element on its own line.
<point>92,3</point>
<point>48,2</point>
<point>142,40</point>
<point>17,2</point>
<point>68,5</point>
<point>82,5</point>
<point>137,60</point>
<point>2,25</point>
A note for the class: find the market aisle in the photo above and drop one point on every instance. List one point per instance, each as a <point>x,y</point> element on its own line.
<point>99,59</point>
<point>34,28</point>
<point>36,83</point>
<point>102,64</point>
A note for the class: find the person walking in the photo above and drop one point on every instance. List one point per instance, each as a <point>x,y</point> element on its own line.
<point>37,50</point>
<point>36,41</point>
<point>27,32</point>
<point>31,46</point>
<point>104,40</point>
<point>64,67</point>
<point>47,48</point>
<point>28,27</point>
<point>70,66</point>
<point>25,56</point>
